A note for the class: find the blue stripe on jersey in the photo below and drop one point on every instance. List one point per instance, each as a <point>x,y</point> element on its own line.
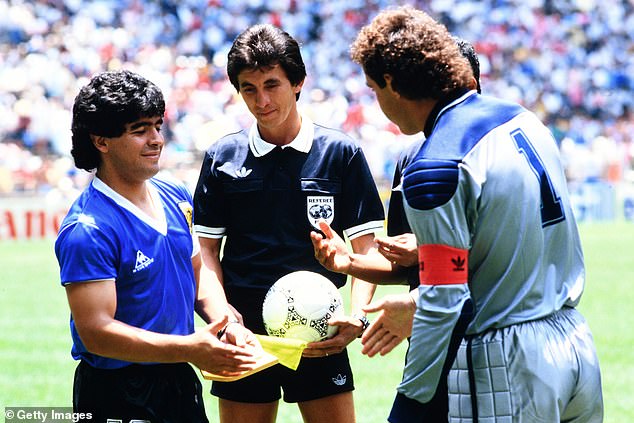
<point>432,177</point>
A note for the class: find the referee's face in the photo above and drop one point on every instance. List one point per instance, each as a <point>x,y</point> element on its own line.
<point>271,99</point>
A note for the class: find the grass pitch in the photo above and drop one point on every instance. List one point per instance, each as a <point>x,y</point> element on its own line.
<point>36,369</point>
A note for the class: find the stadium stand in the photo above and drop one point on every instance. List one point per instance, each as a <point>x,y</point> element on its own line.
<point>570,61</point>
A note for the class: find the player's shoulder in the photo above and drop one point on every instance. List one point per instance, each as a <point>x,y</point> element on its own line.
<point>335,137</point>
<point>88,216</point>
<point>230,142</point>
<point>463,125</point>
<point>430,183</point>
<point>170,185</point>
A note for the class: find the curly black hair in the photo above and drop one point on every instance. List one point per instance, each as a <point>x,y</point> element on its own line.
<point>264,46</point>
<point>105,105</point>
<point>419,53</point>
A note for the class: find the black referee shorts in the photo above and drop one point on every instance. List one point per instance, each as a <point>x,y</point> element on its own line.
<point>153,393</point>
<point>315,378</point>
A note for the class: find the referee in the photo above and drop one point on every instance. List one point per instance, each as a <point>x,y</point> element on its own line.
<point>262,190</point>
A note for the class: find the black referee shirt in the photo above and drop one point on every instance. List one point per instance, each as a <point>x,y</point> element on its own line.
<point>266,204</point>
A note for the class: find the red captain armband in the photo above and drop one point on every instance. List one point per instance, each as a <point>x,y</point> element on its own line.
<point>442,265</point>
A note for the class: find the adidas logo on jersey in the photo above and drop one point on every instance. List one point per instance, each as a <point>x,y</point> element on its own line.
<point>243,172</point>
<point>142,261</point>
<point>339,380</point>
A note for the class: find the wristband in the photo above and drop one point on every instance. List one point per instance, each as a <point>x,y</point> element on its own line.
<point>222,331</point>
<point>364,322</point>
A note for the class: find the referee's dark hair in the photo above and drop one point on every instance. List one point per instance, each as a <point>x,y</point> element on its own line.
<point>264,46</point>
<point>105,105</point>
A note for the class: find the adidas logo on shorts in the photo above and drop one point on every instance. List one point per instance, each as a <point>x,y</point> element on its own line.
<point>339,380</point>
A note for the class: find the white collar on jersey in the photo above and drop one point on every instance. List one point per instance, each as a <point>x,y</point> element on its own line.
<point>302,142</point>
<point>160,224</point>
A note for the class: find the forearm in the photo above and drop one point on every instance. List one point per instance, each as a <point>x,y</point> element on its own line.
<point>115,339</point>
<point>211,302</point>
<point>362,290</point>
<point>375,268</point>
<point>361,294</point>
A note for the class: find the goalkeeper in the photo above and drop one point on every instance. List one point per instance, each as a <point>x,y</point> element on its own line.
<point>486,197</point>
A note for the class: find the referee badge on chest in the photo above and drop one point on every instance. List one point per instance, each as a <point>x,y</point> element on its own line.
<point>320,207</point>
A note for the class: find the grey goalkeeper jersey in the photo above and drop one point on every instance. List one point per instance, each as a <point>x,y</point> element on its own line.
<point>488,180</point>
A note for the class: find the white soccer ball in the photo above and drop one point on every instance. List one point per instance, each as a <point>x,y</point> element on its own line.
<point>299,306</point>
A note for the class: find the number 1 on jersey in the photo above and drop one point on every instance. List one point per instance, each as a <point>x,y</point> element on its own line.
<point>551,208</point>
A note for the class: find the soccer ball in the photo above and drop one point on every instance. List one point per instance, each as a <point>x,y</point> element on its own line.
<point>299,306</point>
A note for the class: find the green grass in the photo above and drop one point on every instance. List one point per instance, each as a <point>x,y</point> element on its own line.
<point>36,368</point>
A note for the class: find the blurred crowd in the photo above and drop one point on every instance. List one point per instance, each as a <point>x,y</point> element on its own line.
<point>570,61</point>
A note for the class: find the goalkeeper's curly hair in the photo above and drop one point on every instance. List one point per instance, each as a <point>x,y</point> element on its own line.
<point>419,53</point>
<point>105,105</point>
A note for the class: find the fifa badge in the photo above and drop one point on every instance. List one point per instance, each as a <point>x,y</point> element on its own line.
<point>320,207</point>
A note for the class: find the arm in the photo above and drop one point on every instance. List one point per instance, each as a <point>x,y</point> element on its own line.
<point>332,253</point>
<point>392,325</point>
<point>350,327</point>
<point>93,306</point>
<point>361,292</point>
<point>211,302</point>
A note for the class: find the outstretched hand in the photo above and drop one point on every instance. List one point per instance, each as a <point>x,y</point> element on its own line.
<point>330,249</point>
<point>392,325</point>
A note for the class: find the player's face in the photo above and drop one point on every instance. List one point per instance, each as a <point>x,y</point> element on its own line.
<point>392,105</point>
<point>270,97</point>
<point>134,155</point>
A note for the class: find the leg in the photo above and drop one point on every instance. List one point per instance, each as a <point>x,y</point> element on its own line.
<point>240,412</point>
<point>338,408</point>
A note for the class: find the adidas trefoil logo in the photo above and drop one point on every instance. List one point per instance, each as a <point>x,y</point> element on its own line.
<point>142,261</point>
<point>243,172</point>
<point>339,380</point>
<point>459,263</point>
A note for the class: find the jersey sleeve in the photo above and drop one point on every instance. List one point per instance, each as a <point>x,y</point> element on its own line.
<point>85,253</point>
<point>209,220</point>
<point>437,207</point>
<point>362,206</point>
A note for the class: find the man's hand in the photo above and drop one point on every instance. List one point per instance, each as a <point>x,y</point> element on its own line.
<point>330,249</point>
<point>349,329</point>
<point>392,325</point>
<point>399,249</point>
<point>236,334</point>
<point>209,353</point>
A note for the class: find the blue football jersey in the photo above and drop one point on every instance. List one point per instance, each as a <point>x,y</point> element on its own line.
<point>106,237</point>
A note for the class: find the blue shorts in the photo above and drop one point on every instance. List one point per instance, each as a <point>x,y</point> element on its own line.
<point>314,378</point>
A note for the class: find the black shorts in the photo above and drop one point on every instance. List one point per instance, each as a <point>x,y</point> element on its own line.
<point>154,393</point>
<point>314,378</point>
